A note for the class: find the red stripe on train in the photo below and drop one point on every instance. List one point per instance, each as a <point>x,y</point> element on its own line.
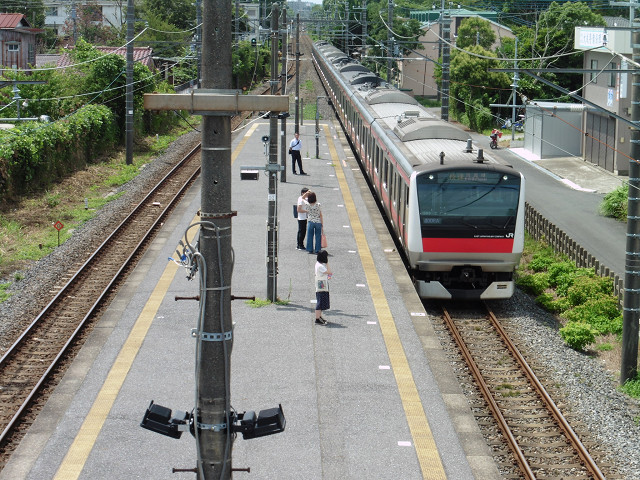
<point>468,245</point>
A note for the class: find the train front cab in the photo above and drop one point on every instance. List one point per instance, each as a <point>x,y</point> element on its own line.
<point>468,234</point>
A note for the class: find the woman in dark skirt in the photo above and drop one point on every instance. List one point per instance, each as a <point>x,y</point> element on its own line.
<point>323,274</point>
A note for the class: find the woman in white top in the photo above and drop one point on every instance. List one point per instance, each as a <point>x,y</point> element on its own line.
<point>323,274</point>
<point>314,223</point>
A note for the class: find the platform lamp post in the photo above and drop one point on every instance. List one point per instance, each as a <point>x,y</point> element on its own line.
<point>318,125</point>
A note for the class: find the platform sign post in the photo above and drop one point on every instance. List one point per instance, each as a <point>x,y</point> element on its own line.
<point>58,226</point>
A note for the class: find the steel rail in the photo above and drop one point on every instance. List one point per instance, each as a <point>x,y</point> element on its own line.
<point>523,464</point>
<point>573,438</point>
<point>58,297</point>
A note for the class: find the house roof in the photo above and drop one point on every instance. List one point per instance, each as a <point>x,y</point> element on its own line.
<point>143,55</point>
<point>11,21</point>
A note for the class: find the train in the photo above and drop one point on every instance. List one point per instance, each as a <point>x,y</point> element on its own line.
<point>457,215</point>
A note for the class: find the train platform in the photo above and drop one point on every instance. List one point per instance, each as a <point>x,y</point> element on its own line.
<point>370,395</point>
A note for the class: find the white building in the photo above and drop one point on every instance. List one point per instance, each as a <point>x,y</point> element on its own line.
<point>59,11</point>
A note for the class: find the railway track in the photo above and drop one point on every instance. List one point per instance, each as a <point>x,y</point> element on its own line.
<point>28,366</point>
<point>540,440</point>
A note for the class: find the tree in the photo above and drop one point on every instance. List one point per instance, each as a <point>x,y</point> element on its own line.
<point>475,31</point>
<point>473,87</point>
<point>550,42</point>
<point>180,13</point>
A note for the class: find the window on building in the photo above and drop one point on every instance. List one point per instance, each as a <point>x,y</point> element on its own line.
<point>592,75</point>
<point>613,75</point>
<point>51,11</point>
<point>13,47</point>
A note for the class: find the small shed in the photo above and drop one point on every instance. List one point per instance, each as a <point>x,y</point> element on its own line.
<point>553,129</point>
<point>17,41</point>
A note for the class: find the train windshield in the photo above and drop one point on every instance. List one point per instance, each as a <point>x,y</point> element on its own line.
<point>468,200</point>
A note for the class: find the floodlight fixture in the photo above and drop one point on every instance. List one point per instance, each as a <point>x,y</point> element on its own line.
<point>162,420</point>
<point>268,422</point>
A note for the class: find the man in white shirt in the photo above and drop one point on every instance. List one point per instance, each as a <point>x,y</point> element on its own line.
<point>302,219</point>
<point>294,150</point>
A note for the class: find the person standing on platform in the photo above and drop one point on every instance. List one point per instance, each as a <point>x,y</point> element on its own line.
<point>323,274</point>
<point>294,151</point>
<point>302,219</point>
<point>314,223</point>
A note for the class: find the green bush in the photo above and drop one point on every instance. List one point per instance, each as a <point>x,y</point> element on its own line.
<point>543,259</point>
<point>632,387</point>
<point>578,335</point>
<point>615,203</point>
<point>35,155</point>
<point>548,302</point>
<point>601,313</point>
<point>534,284</point>
<point>588,287</point>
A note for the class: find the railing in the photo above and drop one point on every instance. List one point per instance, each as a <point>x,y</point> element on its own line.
<point>541,229</point>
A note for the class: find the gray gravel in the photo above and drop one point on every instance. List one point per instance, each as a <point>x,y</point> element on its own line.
<point>589,392</point>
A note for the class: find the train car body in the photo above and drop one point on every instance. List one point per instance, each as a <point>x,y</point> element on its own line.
<point>458,216</point>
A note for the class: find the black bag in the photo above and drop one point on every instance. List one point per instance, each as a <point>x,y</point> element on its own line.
<point>290,151</point>
<point>295,210</point>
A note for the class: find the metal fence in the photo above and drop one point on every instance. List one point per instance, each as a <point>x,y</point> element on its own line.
<point>541,229</point>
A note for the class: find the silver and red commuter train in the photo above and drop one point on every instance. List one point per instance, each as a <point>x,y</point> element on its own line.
<point>458,217</point>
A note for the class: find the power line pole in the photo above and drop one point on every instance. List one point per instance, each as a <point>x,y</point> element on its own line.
<point>129,89</point>
<point>389,42</point>
<point>283,79</point>
<point>199,41</point>
<point>445,22</point>
<point>631,301</point>
<point>272,227</point>
<point>214,432</point>
<point>297,130</point>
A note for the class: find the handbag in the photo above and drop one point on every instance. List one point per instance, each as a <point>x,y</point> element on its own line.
<point>323,241</point>
<point>290,151</point>
<point>295,210</point>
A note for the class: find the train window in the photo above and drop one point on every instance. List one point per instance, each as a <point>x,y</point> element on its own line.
<point>476,201</point>
<point>385,172</point>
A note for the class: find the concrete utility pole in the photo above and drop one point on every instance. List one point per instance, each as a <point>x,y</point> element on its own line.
<point>215,439</point>
<point>283,79</point>
<point>129,89</point>
<point>631,302</point>
<point>445,22</point>
<point>389,42</point>
<point>272,227</point>
<point>297,116</point>
<point>199,41</point>
<point>516,77</point>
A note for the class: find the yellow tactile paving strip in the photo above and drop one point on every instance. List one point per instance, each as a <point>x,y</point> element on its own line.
<point>423,441</point>
<point>76,457</point>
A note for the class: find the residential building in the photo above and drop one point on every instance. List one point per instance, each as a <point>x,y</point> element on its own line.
<point>59,12</point>
<point>606,139</point>
<point>417,70</point>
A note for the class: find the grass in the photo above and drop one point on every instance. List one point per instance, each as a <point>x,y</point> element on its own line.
<point>259,302</point>
<point>3,291</point>
<point>26,227</point>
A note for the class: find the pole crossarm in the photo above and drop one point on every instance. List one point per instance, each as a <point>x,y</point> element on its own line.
<point>206,101</point>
